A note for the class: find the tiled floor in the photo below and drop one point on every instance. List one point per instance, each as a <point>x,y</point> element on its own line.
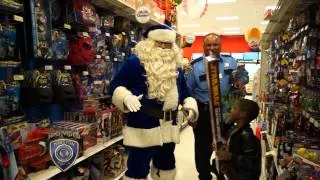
<point>186,168</point>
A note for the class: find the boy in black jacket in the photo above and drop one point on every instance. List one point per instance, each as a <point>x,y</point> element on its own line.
<point>243,152</point>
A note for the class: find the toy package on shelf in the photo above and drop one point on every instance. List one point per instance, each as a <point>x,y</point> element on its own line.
<point>111,162</point>
<point>84,133</point>
<point>32,153</point>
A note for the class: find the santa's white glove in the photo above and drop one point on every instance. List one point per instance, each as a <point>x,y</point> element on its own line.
<point>132,102</point>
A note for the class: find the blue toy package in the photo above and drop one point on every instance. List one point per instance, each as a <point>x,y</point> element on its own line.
<point>8,160</point>
<point>7,42</point>
<point>59,45</point>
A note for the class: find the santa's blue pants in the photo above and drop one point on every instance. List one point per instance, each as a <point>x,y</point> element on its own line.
<point>139,160</point>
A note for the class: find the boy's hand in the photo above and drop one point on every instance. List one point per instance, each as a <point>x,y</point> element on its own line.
<point>224,155</point>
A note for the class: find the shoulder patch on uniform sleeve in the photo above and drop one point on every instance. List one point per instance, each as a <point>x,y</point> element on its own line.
<point>187,68</point>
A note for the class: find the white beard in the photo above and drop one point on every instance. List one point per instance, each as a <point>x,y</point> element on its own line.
<point>161,67</point>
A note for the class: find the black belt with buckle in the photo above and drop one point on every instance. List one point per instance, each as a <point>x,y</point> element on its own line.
<point>158,113</point>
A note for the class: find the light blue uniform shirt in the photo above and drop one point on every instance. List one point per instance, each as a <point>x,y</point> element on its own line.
<point>197,83</point>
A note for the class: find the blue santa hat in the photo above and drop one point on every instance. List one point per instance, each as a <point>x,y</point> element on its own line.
<point>160,32</point>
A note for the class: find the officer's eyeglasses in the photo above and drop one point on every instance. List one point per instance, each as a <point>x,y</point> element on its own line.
<point>163,45</point>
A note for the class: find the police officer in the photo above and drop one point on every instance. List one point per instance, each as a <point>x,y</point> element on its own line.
<point>198,88</point>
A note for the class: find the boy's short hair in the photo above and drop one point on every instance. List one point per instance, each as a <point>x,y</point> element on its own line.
<point>250,108</point>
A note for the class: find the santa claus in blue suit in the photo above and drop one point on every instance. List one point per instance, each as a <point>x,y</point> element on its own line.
<point>151,88</point>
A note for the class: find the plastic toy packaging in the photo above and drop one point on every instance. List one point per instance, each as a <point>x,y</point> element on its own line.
<point>7,42</point>
<point>7,157</point>
<point>114,161</point>
<point>81,50</point>
<point>107,22</point>
<point>97,68</point>
<point>60,44</point>
<point>85,13</point>
<point>42,32</point>
<point>64,90</point>
<point>37,88</point>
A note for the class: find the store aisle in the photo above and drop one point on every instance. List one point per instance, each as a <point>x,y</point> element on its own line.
<point>186,167</point>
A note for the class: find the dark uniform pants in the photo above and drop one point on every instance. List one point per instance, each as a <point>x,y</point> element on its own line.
<point>203,143</point>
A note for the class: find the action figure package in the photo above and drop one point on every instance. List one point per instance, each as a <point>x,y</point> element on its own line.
<point>37,88</point>
<point>114,161</point>
<point>84,133</point>
<point>33,154</point>
<point>59,45</point>
<point>64,90</point>
<point>8,48</point>
<point>116,123</point>
<point>7,157</point>
<point>104,125</point>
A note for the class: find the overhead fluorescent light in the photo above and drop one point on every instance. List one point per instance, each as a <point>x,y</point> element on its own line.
<point>220,1</point>
<point>190,25</point>
<point>264,22</point>
<point>232,32</point>
<point>200,33</point>
<point>231,29</point>
<point>227,18</point>
<point>270,7</point>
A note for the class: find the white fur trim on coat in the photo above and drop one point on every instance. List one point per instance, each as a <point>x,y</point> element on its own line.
<point>118,97</point>
<point>191,104</point>
<point>163,35</point>
<point>129,178</point>
<point>171,99</point>
<point>142,138</point>
<point>163,174</point>
<point>170,133</point>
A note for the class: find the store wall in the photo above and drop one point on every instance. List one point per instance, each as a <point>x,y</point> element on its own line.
<point>229,44</point>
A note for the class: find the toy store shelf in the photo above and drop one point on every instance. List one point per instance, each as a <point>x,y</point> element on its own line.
<point>10,7</point>
<point>263,170</point>
<point>307,161</point>
<point>120,176</point>
<point>279,21</point>
<point>121,8</point>
<point>53,170</point>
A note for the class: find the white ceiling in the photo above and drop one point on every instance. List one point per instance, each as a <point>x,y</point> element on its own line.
<point>250,12</point>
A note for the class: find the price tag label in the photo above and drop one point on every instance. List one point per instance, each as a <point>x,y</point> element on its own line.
<point>123,54</point>
<point>18,77</point>
<point>85,73</point>
<point>98,56</point>
<point>316,124</point>
<point>311,120</point>
<point>108,57</point>
<point>115,59</point>
<point>17,18</point>
<point>67,67</point>
<point>48,68</point>
<point>85,34</point>
<point>107,34</point>
<point>97,82</point>
<point>123,33</point>
<point>67,26</point>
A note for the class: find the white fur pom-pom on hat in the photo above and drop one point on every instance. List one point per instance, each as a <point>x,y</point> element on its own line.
<point>161,33</point>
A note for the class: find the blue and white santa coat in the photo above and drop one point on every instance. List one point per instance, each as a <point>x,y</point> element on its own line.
<point>141,130</point>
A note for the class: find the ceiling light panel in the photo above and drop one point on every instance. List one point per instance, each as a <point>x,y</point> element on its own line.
<point>227,18</point>
<point>232,32</point>
<point>231,29</point>
<point>190,25</point>
<point>220,1</point>
<point>264,22</point>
